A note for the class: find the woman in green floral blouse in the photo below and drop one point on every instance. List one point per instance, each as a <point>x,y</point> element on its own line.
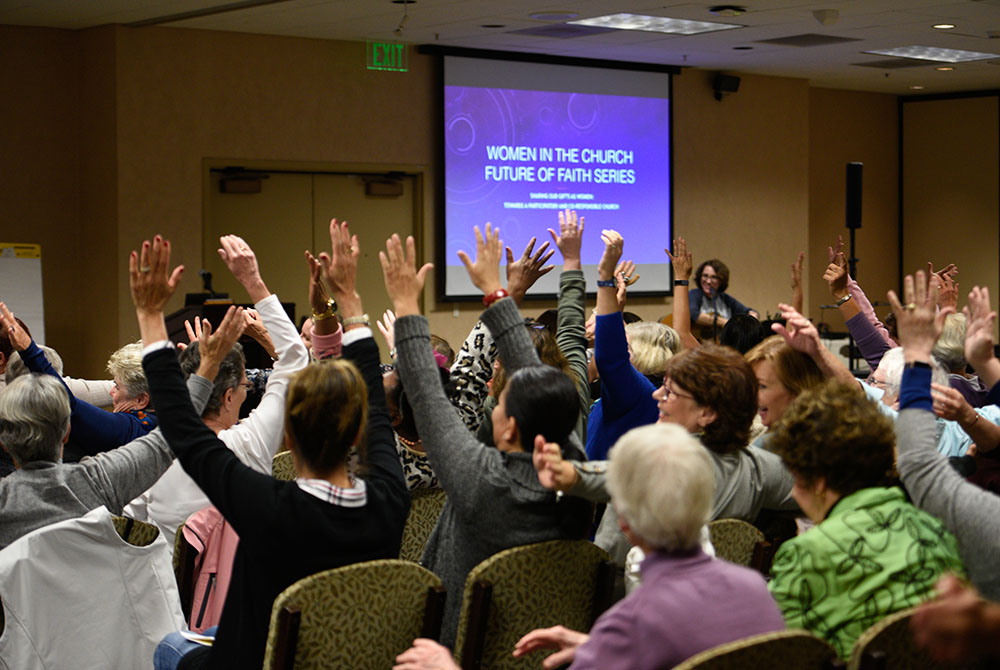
<point>871,552</point>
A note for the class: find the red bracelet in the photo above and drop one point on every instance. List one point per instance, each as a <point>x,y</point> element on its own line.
<point>491,298</point>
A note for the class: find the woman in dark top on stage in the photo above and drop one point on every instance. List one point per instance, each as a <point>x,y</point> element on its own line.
<point>288,530</point>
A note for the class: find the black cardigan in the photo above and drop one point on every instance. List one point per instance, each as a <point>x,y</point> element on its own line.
<point>285,533</point>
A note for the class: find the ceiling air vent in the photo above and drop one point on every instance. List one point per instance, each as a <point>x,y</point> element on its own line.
<point>562,31</point>
<point>891,63</point>
<point>808,40</point>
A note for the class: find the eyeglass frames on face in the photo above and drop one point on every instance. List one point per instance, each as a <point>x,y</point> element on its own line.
<point>668,392</point>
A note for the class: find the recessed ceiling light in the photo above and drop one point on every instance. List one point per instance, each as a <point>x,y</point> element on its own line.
<point>656,24</point>
<point>917,88</point>
<point>727,10</point>
<point>742,48</point>
<point>945,68</point>
<point>553,16</point>
<point>943,26</point>
<point>934,54</point>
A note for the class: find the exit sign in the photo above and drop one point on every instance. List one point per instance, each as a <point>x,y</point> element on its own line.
<point>389,56</point>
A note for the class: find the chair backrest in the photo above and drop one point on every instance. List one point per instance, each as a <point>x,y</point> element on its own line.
<point>566,582</point>
<point>282,466</point>
<point>889,643</point>
<point>797,649</point>
<point>742,543</point>
<point>425,508</point>
<point>359,616</point>
<point>135,532</point>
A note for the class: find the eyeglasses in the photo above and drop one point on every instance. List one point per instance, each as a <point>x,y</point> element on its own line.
<point>668,392</point>
<point>710,277</point>
<point>386,368</point>
<point>248,386</point>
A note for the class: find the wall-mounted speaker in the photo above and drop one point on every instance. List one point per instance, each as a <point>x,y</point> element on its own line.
<point>725,83</point>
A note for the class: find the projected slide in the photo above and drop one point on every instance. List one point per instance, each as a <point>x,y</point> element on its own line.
<point>516,156</point>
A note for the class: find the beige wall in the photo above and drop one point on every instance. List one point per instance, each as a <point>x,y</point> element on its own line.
<point>129,116</point>
<point>950,197</point>
<point>846,126</point>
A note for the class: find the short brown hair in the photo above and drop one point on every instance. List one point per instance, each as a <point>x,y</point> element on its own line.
<point>720,269</point>
<point>795,370</point>
<point>835,432</point>
<point>720,379</point>
<point>326,408</point>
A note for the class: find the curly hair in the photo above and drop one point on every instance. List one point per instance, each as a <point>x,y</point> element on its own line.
<point>720,269</point>
<point>651,346</point>
<point>719,378</point>
<point>794,369</point>
<point>835,432</point>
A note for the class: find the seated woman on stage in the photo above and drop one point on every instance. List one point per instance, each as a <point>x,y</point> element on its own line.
<point>288,530</point>
<point>871,553</point>
<point>711,307</point>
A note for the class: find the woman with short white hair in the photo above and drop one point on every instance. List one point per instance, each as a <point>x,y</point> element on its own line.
<point>662,484</point>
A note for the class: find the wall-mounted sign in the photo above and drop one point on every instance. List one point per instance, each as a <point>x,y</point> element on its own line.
<point>390,56</point>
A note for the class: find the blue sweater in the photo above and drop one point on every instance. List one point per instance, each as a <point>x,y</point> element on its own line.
<point>626,400</point>
<point>92,429</point>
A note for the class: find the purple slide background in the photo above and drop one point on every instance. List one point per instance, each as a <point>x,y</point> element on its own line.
<point>477,117</point>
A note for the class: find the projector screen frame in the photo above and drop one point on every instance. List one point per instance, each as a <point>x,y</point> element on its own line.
<point>440,257</point>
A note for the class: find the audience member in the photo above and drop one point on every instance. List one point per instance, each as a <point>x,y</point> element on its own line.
<point>710,306</point>
<point>288,530</point>
<point>494,499</point>
<point>871,553</point>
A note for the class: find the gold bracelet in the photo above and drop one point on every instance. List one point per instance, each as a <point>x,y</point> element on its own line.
<point>330,312</point>
<point>355,321</point>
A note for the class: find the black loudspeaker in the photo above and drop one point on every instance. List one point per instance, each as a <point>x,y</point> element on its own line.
<point>853,207</point>
<point>725,83</point>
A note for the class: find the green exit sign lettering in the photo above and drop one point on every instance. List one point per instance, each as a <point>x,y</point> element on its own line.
<point>387,56</point>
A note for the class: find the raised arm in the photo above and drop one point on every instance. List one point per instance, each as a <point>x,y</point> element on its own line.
<point>682,264</point>
<point>796,280</point>
<point>257,438</point>
<point>979,337</point>
<point>801,334</point>
<point>327,335</point>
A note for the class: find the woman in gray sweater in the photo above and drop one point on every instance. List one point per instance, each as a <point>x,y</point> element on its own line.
<point>494,499</point>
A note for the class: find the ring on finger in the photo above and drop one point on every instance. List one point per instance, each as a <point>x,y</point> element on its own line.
<point>910,306</point>
<point>144,269</point>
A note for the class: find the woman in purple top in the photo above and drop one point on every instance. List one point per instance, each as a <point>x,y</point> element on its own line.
<point>661,483</point>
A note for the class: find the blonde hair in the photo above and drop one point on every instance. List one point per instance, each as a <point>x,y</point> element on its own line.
<point>125,366</point>
<point>795,370</point>
<point>326,410</point>
<point>651,345</point>
<point>661,482</point>
<point>950,347</point>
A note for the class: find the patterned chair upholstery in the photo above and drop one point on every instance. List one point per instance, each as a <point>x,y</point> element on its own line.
<point>889,644</point>
<point>359,616</point>
<point>566,582</point>
<point>282,466</point>
<point>135,532</point>
<point>742,543</point>
<point>796,649</point>
<point>425,508</point>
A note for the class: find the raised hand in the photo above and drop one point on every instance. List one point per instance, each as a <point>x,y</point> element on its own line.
<point>979,331</point>
<point>485,271</point>
<point>387,326</point>
<point>614,243</point>
<point>951,405</point>
<point>680,259</point>
<point>255,328</point>
<point>242,262</point>
<point>554,473</point>
<point>150,284</point>
<point>569,239</point>
<point>918,322</point>
<point>318,297</point>
<point>625,276</point>
<point>403,282</point>
<point>799,333</point>
<point>837,248</point>
<point>213,347</point>
<point>557,637</point>
<point>340,267</point>
<point>526,270</point>
<point>19,339</point>
<point>947,286</point>
<point>796,272</point>
<point>836,275</point>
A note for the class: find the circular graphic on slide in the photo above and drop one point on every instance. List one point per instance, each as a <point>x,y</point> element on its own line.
<point>583,110</point>
<point>474,120</point>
